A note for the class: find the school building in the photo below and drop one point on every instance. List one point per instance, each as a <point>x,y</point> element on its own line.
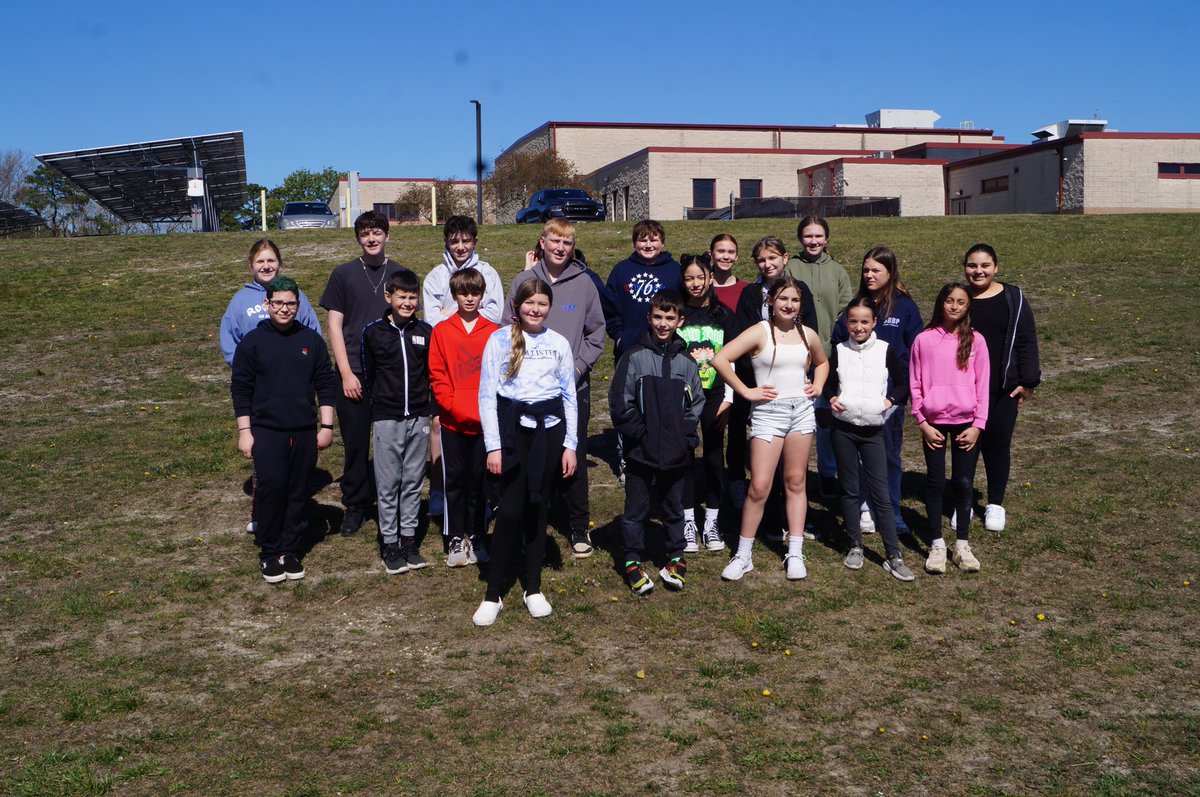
<point>1077,166</point>
<point>380,194</point>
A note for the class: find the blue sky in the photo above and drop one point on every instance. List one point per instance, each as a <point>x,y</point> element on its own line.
<point>384,88</point>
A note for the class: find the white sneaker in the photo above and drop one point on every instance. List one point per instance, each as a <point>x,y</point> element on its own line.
<point>252,526</point>
<point>994,518</point>
<point>712,537</point>
<point>954,518</point>
<point>537,605</point>
<point>793,564</point>
<point>810,532</point>
<point>936,563</point>
<point>738,566</point>
<point>689,537</point>
<point>487,613</point>
<point>866,523</point>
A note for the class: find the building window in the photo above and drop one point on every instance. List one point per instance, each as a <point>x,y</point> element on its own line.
<point>1186,171</point>
<point>750,189</point>
<point>994,184</point>
<point>704,193</point>
<point>387,209</point>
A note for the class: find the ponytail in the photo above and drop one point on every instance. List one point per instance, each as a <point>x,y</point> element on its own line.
<point>516,354</point>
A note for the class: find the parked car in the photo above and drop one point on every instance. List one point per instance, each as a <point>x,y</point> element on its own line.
<point>560,203</point>
<point>306,216</point>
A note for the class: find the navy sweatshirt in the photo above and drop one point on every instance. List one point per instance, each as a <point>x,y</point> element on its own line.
<point>277,373</point>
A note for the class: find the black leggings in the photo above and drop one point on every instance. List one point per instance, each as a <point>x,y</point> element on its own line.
<point>519,521</point>
<point>713,472</point>
<point>995,444</point>
<point>962,465</point>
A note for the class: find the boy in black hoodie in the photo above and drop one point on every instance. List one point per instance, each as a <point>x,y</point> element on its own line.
<point>655,403</point>
<point>277,369</point>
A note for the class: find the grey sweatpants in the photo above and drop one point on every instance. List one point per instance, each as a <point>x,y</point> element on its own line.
<point>401,449</point>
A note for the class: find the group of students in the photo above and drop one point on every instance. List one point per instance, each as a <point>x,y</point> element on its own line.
<point>770,365</point>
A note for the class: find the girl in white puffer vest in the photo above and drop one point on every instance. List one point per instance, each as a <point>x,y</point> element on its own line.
<point>867,381</point>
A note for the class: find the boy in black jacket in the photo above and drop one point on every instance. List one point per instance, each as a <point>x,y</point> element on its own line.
<point>277,369</point>
<point>395,365</point>
<point>655,403</point>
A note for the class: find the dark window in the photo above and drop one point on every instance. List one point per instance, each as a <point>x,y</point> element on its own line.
<point>1185,170</point>
<point>387,209</point>
<point>704,193</point>
<point>750,189</point>
<point>994,184</point>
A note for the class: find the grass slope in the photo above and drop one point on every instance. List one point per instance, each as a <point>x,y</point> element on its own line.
<point>142,654</point>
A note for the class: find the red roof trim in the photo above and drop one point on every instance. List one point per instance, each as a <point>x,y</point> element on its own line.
<point>406,180</point>
<point>1145,136</point>
<point>858,129</point>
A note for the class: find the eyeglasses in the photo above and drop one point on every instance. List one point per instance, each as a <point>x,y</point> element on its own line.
<point>280,304</point>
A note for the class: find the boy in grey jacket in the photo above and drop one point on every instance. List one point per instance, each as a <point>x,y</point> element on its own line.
<point>655,402</point>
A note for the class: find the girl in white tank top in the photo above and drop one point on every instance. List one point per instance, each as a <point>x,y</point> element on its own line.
<point>780,350</point>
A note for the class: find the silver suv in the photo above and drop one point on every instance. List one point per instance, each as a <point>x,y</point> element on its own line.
<point>306,216</point>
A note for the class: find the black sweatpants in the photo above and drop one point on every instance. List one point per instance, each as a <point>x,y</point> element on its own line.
<point>354,421</point>
<point>575,489</point>
<point>464,465</point>
<point>282,464</point>
<point>648,488</point>
<point>520,522</point>
<point>962,470</point>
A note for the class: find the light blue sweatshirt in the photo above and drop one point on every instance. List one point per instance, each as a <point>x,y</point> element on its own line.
<point>249,306</point>
<point>548,371</point>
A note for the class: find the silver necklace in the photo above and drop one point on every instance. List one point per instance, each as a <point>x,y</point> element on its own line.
<point>382,275</point>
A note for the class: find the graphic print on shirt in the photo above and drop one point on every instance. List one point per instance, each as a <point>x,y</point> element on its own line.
<point>642,286</point>
<point>703,343</point>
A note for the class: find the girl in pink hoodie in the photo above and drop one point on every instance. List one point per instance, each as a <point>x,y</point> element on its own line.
<point>948,378</point>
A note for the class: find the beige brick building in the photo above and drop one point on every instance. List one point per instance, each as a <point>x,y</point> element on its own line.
<point>1100,172</point>
<point>381,193</point>
<point>918,183</point>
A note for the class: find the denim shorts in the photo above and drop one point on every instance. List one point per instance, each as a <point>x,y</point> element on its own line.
<point>781,417</point>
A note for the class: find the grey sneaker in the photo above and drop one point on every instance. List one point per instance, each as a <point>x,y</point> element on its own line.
<point>689,537</point>
<point>898,569</point>
<point>854,559</point>
<point>458,555</point>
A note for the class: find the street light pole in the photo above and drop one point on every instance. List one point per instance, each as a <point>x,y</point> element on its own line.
<point>478,161</point>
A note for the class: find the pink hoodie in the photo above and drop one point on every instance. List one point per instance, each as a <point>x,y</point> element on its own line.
<point>941,393</point>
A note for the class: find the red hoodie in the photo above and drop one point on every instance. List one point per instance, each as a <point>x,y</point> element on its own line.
<point>454,361</point>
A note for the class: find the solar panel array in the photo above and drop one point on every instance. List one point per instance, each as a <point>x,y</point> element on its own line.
<point>14,219</point>
<point>147,182</point>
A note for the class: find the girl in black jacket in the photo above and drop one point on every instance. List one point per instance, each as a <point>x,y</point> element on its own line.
<point>707,326</point>
<point>1002,315</point>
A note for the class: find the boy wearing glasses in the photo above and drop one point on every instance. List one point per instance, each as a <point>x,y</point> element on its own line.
<point>278,369</point>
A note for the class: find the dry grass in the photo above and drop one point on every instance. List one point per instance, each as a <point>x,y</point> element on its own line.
<point>143,655</point>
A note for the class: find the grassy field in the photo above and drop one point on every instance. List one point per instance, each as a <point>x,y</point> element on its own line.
<point>143,654</point>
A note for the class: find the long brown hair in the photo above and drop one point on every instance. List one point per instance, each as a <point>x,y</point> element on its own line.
<point>784,282</point>
<point>516,354</point>
<point>887,302</point>
<point>966,336</point>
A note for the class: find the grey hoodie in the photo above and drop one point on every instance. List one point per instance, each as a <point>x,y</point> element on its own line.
<point>575,312</point>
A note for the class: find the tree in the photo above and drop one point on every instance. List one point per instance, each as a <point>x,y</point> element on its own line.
<point>57,200</point>
<point>518,175</point>
<point>415,201</point>
<point>249,215</point>
<point>15,166</point>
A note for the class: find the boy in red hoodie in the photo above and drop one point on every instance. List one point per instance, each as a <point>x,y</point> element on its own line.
<point>455,354</point>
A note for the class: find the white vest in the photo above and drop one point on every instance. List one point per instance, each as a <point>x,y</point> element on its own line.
<point>862,381</point>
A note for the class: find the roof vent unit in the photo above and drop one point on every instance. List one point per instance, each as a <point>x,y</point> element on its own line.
<point>895,117</point>
<point>1069,127</point>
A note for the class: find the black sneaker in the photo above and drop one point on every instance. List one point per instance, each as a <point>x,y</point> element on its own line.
<point>637,579</point>
<point>408,549</point>
<point>352,521</point>
<point>581,545</point>
<point>292,568</point>
<point>393,559</point>
<point>272,569</point>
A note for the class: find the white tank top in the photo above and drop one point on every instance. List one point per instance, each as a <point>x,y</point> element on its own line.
<point>789,371</point>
